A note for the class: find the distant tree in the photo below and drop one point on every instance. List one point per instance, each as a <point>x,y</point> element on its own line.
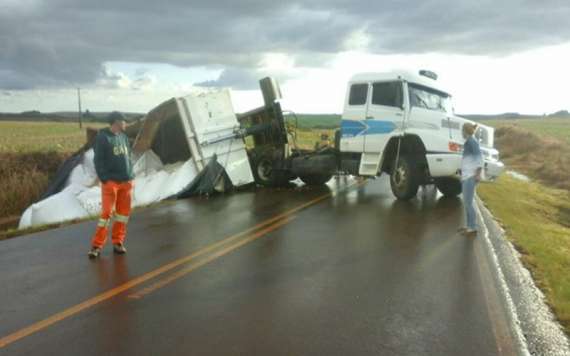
<point>560,113</point>
<point>31,113</point>
<point>88,114</point>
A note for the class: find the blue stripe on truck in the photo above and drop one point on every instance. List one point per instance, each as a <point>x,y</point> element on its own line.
<point>353,128</point>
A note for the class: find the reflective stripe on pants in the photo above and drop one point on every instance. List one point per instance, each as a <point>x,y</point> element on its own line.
<point>103,223</point>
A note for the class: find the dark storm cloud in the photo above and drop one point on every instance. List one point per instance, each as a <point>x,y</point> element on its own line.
<point>59,43</point>
<point>463,27</point>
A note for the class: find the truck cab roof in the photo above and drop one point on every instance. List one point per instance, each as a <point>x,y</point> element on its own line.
<point>408,76</point>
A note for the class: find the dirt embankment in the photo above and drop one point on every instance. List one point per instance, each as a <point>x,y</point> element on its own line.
<point>544,159</point>
<point>23,178</point>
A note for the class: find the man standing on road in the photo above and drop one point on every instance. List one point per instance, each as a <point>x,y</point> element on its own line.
<point>471,168</point>
<point>115,171</point>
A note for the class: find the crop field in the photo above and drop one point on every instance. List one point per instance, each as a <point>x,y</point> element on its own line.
<point>28,136</point>
<point>315,121</point>
<point>546,128</point>
<point>314,139</point>
<point>30,154</point>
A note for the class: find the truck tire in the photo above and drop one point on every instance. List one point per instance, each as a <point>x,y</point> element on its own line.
<point>448,186</point>
<point>316,179</point>
<point>404,179</point>
<point>264,173</point>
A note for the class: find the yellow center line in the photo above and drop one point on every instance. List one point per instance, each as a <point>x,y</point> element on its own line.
<point>29,330</point>
<point>195,265</point>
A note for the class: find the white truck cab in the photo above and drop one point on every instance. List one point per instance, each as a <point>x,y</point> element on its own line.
<point>403,124</point>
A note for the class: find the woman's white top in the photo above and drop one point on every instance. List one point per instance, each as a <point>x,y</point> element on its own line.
<point>472,158</point>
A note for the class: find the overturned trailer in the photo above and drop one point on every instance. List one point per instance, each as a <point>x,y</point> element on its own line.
<point>176,153</point>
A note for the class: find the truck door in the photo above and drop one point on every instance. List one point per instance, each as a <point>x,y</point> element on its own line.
<point>385,115</point>
<point>353,125</point>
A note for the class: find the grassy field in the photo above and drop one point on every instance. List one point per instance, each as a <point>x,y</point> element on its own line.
<point>537,222</point>
<point>539,148</point>
<point>30,153</point>
<point>41,136</point>
<point>312,139</point>
<point>536,215</point>
<point>315,121</point>
<point>546,128</point>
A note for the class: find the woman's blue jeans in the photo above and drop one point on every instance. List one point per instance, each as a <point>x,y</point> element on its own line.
<point>468,187</point>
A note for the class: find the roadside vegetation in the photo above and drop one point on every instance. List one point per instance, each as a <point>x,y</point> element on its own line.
<point>313,131</point>
<point>30,154</point>
<point>21,137</point>
<point>537,221</point>
<point>536,214</point>
<point>314,121</point>
<point>548,128</point>
<point>541,157</point>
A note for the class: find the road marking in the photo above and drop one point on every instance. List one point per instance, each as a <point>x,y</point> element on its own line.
<point>518,337</point>
<point>195,265</point>
<point>43,324</point>
<point>495,310</point>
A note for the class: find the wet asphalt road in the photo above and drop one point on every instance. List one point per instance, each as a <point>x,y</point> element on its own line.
<point>337,270</point>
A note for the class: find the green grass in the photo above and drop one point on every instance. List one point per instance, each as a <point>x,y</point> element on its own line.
<point>316,121</point>
<point>557,128</point>
<point>41,136</point>
<point>312,139</point>
<point>30,153</point>
<point>536,216</point>
<point>537,221</point>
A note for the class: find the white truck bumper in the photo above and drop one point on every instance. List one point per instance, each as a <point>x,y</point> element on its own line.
<point>493,169</point>
<point>449,164</point>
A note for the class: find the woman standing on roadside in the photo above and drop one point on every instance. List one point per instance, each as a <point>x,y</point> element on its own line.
<point>471,168</point>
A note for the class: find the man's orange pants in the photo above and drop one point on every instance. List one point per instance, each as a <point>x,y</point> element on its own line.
<point>114,196</point>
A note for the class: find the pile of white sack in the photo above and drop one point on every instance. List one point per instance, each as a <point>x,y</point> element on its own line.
<point>81,197</point>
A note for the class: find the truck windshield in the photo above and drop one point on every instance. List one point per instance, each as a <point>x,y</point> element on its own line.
<point>431,99</point>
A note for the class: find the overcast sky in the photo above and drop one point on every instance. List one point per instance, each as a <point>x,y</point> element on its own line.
<point>130,55</point>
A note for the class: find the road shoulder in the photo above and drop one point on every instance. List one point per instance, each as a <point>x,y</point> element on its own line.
<point>536,330</point>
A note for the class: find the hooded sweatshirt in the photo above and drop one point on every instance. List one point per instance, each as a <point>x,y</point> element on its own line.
<point>113,157</point>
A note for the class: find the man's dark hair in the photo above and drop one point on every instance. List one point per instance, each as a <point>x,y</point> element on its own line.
<point>115,116</point>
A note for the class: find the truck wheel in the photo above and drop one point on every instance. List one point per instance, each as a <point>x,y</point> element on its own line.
<point>316,179</point>
<point>265,175</point>
<point>404,179</point>
<point>448,186</point>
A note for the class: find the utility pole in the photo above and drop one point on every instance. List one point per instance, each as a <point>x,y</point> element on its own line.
<point>79,103</point>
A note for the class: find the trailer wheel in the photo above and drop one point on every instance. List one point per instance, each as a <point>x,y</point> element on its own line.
<point>316,179</point>
<point>266,175</point>
<point>404,179</point>
<point>448,186</point>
